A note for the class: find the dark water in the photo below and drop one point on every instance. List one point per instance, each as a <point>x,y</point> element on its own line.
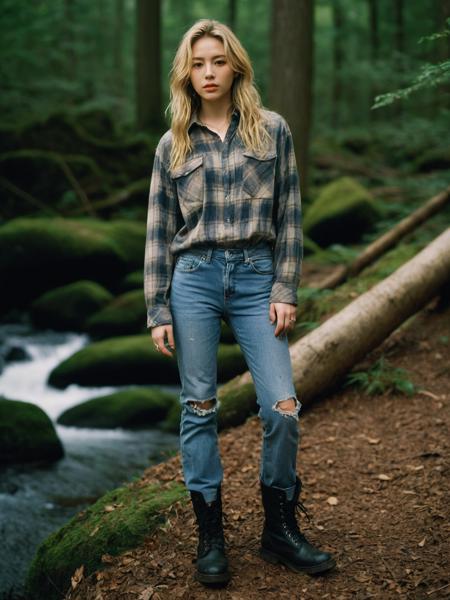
<point>36,500</point>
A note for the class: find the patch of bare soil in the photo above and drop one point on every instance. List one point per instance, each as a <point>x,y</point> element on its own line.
<point>375,472</point>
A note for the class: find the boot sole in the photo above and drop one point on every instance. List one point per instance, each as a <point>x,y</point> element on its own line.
<point>212,578</point>
<point>274,559</point>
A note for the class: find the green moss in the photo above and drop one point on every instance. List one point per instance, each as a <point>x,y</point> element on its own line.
<point>119,520</point>
<point>230,362</point>
<point>172,421</point>
<point>236,405</point>
<point>125,315</point>
<point>37,254</point>
<point>116,361</point>
<point>67,307</point>
<point>132,281</point>
<point>342,212</point>
<point>26,433</point>
<point>131,360</point>
<point>134,408</point>
<point>315,304</point>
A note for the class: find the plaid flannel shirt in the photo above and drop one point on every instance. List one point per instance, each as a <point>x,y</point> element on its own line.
<point>223,196</point>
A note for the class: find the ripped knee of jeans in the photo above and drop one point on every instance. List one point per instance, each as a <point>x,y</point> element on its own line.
<point>290,407</point>
<point>203,407</point>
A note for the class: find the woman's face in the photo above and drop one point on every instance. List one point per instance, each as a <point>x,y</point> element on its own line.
<point>210,66</point>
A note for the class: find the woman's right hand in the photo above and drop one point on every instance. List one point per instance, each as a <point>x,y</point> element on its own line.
<point>159,335</point>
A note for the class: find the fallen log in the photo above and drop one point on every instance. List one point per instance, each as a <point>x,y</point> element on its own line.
<point>386,241</point>
<point>321,358</point>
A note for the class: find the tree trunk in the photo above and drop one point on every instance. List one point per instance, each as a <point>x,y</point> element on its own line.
<point>290,90</point>
<point>374,53</point>
<point>324,356</point>
<point>148,65</point>
<point>338,61</point>
<point>118,58</point>
<point>387,241</point>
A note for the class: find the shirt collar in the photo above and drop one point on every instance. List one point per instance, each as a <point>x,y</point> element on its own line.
<point>194,117</point>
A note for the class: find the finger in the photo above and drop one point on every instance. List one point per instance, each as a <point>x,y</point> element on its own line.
<point>160,345</point>
<point>272,313</point>
<point>170,338</point>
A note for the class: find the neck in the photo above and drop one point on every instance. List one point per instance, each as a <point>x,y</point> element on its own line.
<point>214,112</point>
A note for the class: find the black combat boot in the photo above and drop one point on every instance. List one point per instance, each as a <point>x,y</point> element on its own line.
<point>212,564</point>
<point>282,540</point>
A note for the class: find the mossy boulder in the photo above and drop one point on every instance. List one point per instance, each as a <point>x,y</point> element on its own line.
<point>118,521</point>
<point>27,434</point>
<point>136,408</point>
<point>69,306</point>
<point>129,360</point>
<point>43,253</point>
<point>124,315</point>
<point>132,281</point>
<point>342,213</point>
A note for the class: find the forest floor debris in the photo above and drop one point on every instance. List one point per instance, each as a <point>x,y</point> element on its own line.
<point>375,472</point>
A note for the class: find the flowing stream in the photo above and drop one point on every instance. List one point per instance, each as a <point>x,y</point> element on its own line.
<point>34,501</point>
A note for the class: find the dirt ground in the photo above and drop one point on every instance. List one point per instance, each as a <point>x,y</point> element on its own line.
<point>375,472</point>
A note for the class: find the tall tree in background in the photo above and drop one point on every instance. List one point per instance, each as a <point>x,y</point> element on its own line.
<point>148,65</point>
<point>118,49</point>
<point>232,10</point>
<point>338,60</point>
<point>291,73</point>
<point>374,36</point>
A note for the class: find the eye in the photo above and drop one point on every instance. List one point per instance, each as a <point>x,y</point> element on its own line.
<point>220,62</point>
<point>197,65</point>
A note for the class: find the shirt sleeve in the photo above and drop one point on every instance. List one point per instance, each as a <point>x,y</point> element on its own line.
<point>288,247</point>
<point>162,221</point>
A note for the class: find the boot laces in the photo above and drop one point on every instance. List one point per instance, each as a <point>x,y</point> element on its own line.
<point>290,524</point>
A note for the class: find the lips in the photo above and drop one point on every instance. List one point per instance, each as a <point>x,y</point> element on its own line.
<point>210,87</point>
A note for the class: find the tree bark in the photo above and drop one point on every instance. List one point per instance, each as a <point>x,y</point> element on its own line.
<point>324,356</point>
<point>338,61</point>
<point>148,65</point>
<point>291,76</point>
<point>387,241</point>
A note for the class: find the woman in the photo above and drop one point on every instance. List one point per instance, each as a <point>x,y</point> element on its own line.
<point>224,241</point>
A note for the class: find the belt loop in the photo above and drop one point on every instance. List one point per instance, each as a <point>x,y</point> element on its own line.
<point>209,254</point>
<point>245,255</point>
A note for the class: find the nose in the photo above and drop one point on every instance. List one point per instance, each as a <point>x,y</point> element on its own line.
<point>209,70</point>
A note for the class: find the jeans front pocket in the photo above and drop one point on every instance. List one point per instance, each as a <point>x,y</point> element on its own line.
<point>263,265</point>
<point>189,262</point>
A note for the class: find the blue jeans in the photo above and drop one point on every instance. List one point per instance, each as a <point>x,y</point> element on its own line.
<point>210,284</point>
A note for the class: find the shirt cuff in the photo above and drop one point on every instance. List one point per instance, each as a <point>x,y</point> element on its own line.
<point>159,315</point>
<point>283,292</point>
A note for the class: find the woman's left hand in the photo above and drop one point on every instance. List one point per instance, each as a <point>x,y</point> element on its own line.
<point>284,314</point>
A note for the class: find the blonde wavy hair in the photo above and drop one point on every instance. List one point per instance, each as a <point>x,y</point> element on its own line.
<point>184,100</point>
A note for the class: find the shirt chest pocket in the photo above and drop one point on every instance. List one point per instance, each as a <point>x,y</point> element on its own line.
<point>189,180</point>
<point>258,177</point>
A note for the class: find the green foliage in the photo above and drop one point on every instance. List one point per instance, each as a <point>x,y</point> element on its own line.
<point>430,75</point>
<point>382,377</point>
<point>117,521</point>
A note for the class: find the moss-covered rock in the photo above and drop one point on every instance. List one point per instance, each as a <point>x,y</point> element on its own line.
<point>342,213</point>
<point>172,421</point>
<point>26,434</point>
<point>69,306</point>
<point>132,360</point>
<point>136,408</point>
<point>43,253</point>
<point>124,360</point>
<point>119,520</point>
<point>132,281</point>
<point>124,315</point>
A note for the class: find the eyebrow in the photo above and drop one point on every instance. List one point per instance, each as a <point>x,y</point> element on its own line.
<point>201,57</point>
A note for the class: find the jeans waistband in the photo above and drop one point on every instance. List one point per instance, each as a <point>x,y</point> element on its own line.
<point>260,249</point>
